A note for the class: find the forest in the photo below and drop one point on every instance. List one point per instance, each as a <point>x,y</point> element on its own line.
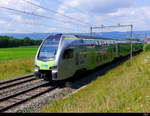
<point>8,42</point>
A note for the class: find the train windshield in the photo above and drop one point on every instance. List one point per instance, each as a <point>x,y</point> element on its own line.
<point>49,48</point>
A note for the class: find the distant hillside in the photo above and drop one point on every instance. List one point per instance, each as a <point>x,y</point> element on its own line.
<point>114,35</point>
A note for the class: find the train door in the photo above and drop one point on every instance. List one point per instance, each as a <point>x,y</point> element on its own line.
<point>117,49</point>
<point>67,64</point>
<point>80,58</point>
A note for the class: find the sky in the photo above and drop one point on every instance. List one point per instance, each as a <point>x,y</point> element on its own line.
<point>82,15</point>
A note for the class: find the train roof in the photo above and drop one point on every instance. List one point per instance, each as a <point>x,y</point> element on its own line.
<point>84,36</point>
<point>87,36</point>
<point>93,37</point>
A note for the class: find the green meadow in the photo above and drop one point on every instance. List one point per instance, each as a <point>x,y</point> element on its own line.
<point>125,88</point>
<point>16,61</point>
<point>17,53</point>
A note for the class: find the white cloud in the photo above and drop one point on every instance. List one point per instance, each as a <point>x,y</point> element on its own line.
<point>40,11</point>
<point>108,12</point>
<point>3,22</point>
<point>21,19</point>
<point>22,5</point>
<point>91,9</point>
<point>17,18</point>
<point>139,17</point>
<point>97,6</point>
<point>95,12</point>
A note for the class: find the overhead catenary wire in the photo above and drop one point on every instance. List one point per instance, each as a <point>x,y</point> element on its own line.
<point>85,12</point>
<point>50,26</point>
<point>42,16</point>
<point>125,32</point>
<point>113,26</point>
<point>40,24</point>
<point>79,10</point>
<point>69,17</point>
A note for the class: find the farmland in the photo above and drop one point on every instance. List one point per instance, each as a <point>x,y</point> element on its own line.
<point>17,53</point>
<point>16,61</point>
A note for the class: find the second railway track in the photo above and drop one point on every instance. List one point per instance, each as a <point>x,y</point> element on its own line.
<point>17,91</point>
<point>16,81</point>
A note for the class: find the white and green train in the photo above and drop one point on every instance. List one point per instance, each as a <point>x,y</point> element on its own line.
<point>61,56</point>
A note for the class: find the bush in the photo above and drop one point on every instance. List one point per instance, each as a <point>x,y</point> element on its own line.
<point>8,42</point>
<point>147,47</point>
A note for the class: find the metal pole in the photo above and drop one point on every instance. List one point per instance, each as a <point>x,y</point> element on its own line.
<point>119,25</point>
<point>91,31</point>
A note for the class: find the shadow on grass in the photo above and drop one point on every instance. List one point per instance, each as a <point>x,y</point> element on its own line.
<point>77,82</point>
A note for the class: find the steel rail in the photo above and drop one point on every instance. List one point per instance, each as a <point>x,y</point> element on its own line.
<point>36,85</point>
<point>18,101</point>
<point>17,88</point>
<point>16,82</point>
<point>15,79</point>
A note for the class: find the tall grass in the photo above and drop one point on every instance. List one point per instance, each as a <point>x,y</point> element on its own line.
<point>16,61</point>
<point>123,89</point>
<point>147,47</point>
<point>13,68</point>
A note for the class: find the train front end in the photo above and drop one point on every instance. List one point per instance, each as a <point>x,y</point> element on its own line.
<point>45,60</point>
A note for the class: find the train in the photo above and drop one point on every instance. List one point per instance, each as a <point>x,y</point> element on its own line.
<point>60,56</point>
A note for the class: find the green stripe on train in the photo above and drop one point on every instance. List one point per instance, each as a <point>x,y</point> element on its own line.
<point>86,39</point>
<point>45,65</point>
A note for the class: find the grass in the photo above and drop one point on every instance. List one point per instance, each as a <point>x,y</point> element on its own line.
<point>17,53</point>
<point>16,61</point>
<point>125,88</point>
<point>147,47</point>
<point>14,68</point>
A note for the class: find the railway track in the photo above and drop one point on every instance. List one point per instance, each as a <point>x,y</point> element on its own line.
<point>16,81</point>
<point>17,91</point>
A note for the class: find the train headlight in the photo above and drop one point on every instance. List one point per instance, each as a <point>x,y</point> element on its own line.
<point>54,67</point>
<point>36,68</point>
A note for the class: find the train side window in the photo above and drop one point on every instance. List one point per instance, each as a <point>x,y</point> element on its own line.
<point>97,43</point>
<point>68,54</point>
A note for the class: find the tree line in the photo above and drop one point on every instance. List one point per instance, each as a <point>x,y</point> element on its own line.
<point>8,42</point>
<point>133,39</point>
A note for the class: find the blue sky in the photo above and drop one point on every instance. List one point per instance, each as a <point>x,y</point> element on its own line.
<point>93,12</point>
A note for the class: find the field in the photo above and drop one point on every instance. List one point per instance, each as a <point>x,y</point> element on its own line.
<point>16,61</point>
<point>125,88</point>
<point>17,53</point>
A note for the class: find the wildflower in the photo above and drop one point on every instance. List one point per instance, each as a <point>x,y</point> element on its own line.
<point>129,108</point>
<point>145,60</point>
<point>141,105</point>
<point>146,96</point>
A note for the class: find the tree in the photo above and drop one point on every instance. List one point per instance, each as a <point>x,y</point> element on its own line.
<point>6,42</point>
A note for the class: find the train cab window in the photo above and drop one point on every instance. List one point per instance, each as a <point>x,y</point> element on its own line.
<point>68,54</point>
<point>100,43</point>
